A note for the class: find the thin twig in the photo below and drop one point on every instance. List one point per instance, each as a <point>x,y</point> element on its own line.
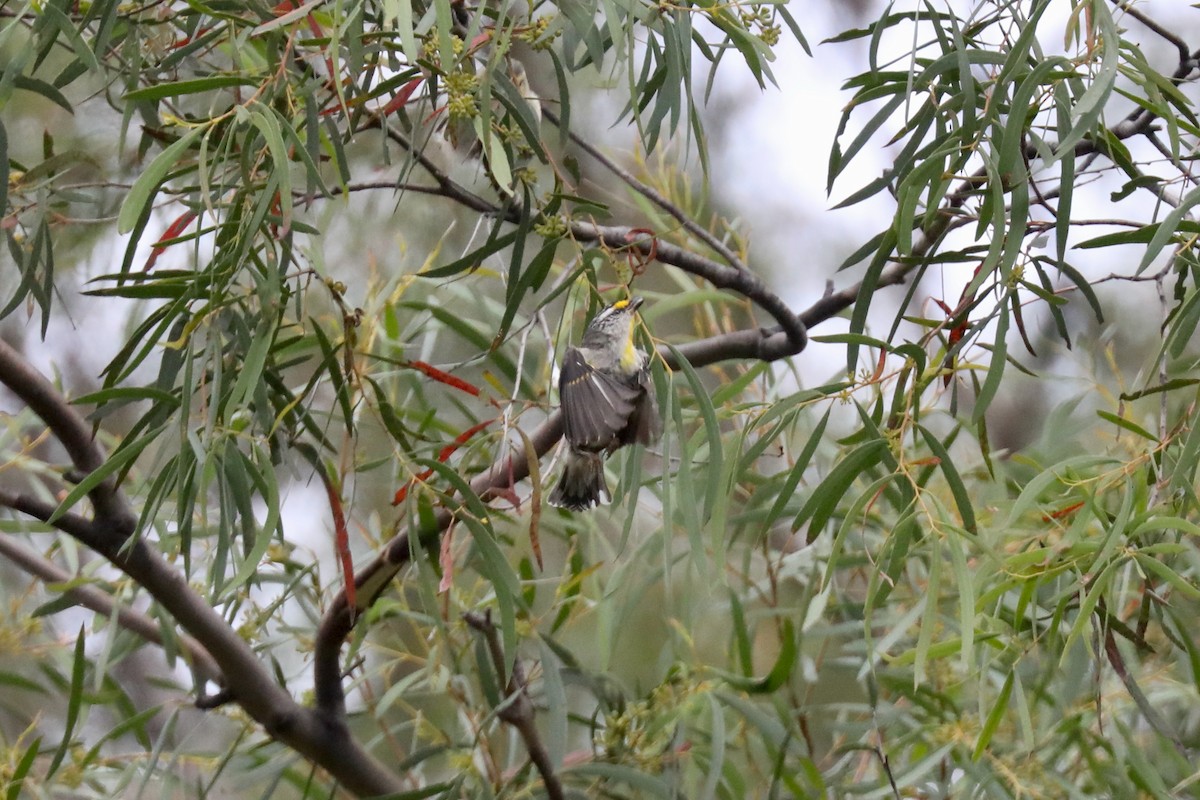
<point>1177,41</point>
<point>516,709</point>
<point>688,224</point>
<point>95,599</point>
<point>736,278</point>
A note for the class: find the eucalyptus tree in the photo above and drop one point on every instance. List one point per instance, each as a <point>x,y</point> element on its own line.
<point>346,244</point>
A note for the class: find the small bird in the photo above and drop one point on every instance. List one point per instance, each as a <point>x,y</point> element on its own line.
<point>607,403</point>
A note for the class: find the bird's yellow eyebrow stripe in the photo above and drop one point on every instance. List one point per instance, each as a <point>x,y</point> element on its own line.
<point>620,304</point>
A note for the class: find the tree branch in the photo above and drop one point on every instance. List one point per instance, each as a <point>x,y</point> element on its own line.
<point>95,599</point>
<point>736,278</point>
<point>686,222</point>
<point>516,709</point>
<point>322,739</point>
<point>71,430</point>
<point>742,281</point>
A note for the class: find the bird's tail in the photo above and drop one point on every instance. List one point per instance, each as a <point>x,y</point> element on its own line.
<point>582,483</point>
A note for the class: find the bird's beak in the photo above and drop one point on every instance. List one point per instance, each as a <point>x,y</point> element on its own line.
<point>635,303</point>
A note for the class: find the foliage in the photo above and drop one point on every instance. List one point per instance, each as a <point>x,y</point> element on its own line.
<point>841,589</point>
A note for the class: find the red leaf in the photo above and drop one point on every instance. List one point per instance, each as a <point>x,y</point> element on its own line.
<point>178,43</point>
<point>341,537</point>
<point>443,454</point>
<point>461,439</point>
<point>406,91</point>
<point>173,230</point>
<point>1062,512</point>
<point>444,377</point>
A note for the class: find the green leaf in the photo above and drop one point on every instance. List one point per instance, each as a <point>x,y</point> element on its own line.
<point>994,717</point>
<point>825,497</point>
<point>401,13</point>
<point>332,362</point>
<point>788,490</point>
<point>474,259</point>
<point>556,710</point>
<point>17,779</point>
<point>714,494</point>
<point>991,384</point>
<point>716,756</point>
<point>5,167</point>
<point>1121,422</point>
<point>46,90</point>
<point>137,203</point>
<point>207,84</point>
<point>958,489</point>
<point>74,702</point>
<point>116,462</point>
<point>264,481</point>
<point>1142,235</point>
<point>780,672</point>
<point>647,785</point>
<point>1180,583</point>
<point>1171,224</point>
<point>1011,161</point>
<point>1086,112</point>
<point>267,122</point>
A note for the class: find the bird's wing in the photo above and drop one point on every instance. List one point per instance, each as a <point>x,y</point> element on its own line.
<point>596,406</point>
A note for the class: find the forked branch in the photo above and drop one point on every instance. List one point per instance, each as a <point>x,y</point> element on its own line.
<point>111,532</point>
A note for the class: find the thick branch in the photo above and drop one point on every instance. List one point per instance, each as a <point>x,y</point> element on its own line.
<point>71,430</point>
<point>323,740</point>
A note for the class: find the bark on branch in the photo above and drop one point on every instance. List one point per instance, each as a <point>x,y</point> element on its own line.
<point>324,740</point>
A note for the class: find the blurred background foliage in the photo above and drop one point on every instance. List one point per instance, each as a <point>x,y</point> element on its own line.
<point>948,550</point>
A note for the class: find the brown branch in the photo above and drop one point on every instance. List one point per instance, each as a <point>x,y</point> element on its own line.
<point>322,739</point>
<point>1178,42</point>
<point>742,281</point>
<point>516,709</point>
<point>72,431</point>
<point>95,599</point>
<point>736,278</point>
<point>688,224</point>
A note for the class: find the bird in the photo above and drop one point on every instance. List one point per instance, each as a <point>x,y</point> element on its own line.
<point>607,402</point>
